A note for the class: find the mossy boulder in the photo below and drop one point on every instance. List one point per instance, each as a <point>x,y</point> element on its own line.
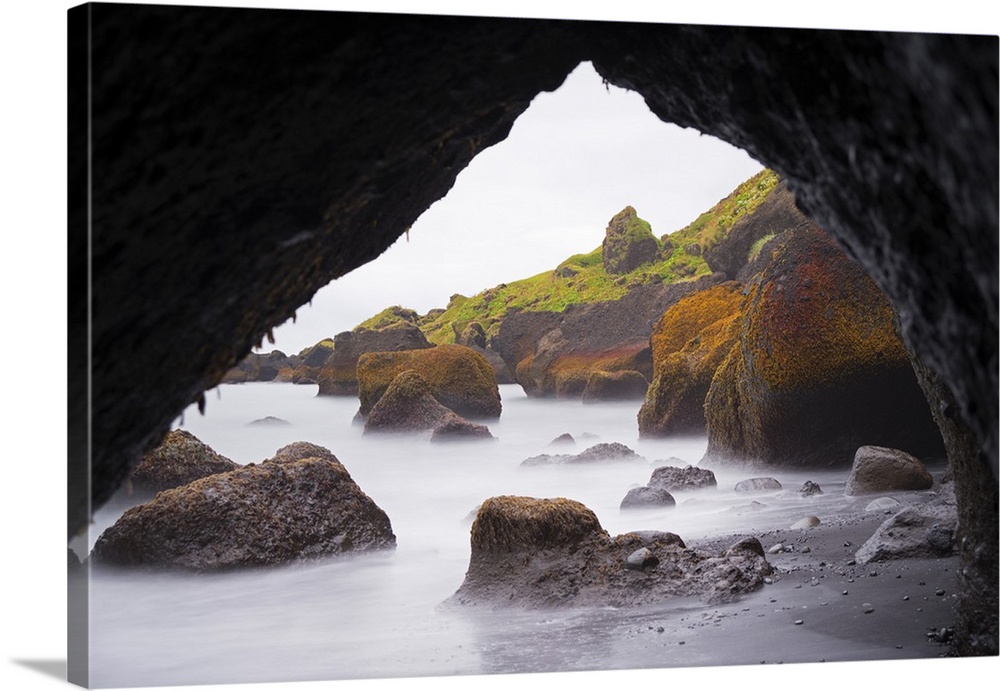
<point>311,361</point>
<point>625,385</point>
<point>688,344</point>
<point>258,367</point>
<point>545,553</point>
<point>262,514</point>
<point>628,243</point>
<point>338,375</point>
<point>818,369</point>
<point>179,459</point>
<point>459,378</point>
<point>406,406</point>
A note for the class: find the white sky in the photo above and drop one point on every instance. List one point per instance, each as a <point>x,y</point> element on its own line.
<point>573,160</point>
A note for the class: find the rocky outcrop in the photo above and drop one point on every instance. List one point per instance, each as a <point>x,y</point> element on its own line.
<point>625,385</point>
<point>473,336</point>
<point>179,459</point>
<point>311,362</point>
<point>673,478</point>
<point>555,353</point>
<point>406,406</point>
<point>260,367</point>
<point>338,375</point>
<point>259,515</point>
<point>818,369</point>
<point>688,343</point>
<point>459,378</point>
<point>878,469</point>
<point>628,243</point>
<point>544,553</point>
<point>609,452</point>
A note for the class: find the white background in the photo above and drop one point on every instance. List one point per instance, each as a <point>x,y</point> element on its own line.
<point>33,605</point>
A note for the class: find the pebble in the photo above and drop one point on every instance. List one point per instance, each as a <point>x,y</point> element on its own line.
<point>798,622</point>
<point>939,592</point>
<point>852,562</point>
<point>806,550</point>
<point>869,609</point>
<point>660,629</point>
<point>906,597</point>
<point>844,593</point>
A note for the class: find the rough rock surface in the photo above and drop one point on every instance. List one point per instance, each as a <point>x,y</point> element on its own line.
<point>459,378</point>
<point>543,553</point>
<point>338,375</point>
<point>926,530</point>
<point>311,361</point>
<point>452,427</point>
<point>647,498</point>
<point>628,243</point>
<point>688,344</point>
<point>258,515</point>
<point>176,306</point>
<point>625,385</point>
<point>878,469</point>
<point>810,489</point>
<point>758,484</point>
<point>604,452</point>
<point>258,367</point>
<point>406,406</point>
<point>673,479</point>
<point>818,369</point>
<point>179,459</point>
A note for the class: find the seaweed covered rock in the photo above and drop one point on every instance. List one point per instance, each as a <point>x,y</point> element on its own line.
<point>459,378</point>
<point>258,515</point>
<point>625,385</point>
<point>878,469</point>
<point>818,369</point>
<point>179,459</point>
<point>542,553</point>
<point>688,344</point>
<point>406,406</point>
<point>628,243</point>
<point>338,375</point>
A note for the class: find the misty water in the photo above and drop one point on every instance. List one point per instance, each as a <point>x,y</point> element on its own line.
<point>379,615</point>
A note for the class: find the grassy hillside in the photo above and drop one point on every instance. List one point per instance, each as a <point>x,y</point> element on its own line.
<point>582,278</point>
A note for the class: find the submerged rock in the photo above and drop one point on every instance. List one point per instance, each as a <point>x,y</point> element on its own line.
<point>599,453</point>
<point>541,553</point>
<point>758,484</point>
<point>810,489</point>
<point>179,459</point>
<point>880,469</point>
<point>275,512</point>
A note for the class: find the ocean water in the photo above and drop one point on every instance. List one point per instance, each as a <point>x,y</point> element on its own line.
<point>379,615</point>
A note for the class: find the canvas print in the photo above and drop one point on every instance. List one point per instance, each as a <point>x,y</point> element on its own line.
<point>430,346</point>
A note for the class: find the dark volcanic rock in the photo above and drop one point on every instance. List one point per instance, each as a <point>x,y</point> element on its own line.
<point>181,458</point>
<point>258,515</point>
<point>473,336</point>
<point>458,377</point>
<point>564,439</point>
<point>541,553</point>
<point>628,243</point>
<point>598,453</point>
<point>406,406</point>
<point>758,484</point>
<point>338,375</point>
<point>269,421</point>
<point>878,469</point>
<point>258,367</point>
<point>647,498</point>
<point>453,427</point>
<point>672,479</point>
<point>810,489</point>
<point>625,385</point>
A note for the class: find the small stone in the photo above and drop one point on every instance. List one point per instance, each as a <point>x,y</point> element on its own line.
<point>806,550</point>
<point>844,593</point>
<point>906,597</point>
<point>776,549</point>
<point>939,592</point>
<point>659,629</point>
<point>869,609</point>
<point>798,622</point>
<point>851,562</point>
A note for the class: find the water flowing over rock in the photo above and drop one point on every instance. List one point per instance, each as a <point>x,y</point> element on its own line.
<point>459,378</point>
<point>543,553</point>
<point>879,469</point>
<point>258,515</point>
<point>179,459</point>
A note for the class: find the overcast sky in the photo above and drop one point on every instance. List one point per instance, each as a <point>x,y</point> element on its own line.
<point>573,160</point>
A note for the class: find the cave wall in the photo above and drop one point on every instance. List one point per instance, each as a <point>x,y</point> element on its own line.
<point>242,159</point>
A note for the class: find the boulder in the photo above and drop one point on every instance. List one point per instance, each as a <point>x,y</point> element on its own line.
<point>259,515</point>
<point>810,489</point>
<point>818,369</point>
<point>298,450</point>
<point>598,453</point>
<point>452,427</point>
<point>628,243</point>
<point>880,469</point>
<point>545,553</point>
<point>311,361</point>
<point>269,421</point>
<point>406,406</point>
<point>260,367</point>
<point>459,378</point>
<point>564,439</point>
<point>758,484</point>
<point>647,498</point>
<point>624,385</point>
<point>688,344</point>
<point>338,375</point>
<point>179,459</point>
<point>672,478</point>
<point>926,530</point>
<point>882,504</point>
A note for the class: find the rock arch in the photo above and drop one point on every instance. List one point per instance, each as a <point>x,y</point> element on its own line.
<point>242,159</point>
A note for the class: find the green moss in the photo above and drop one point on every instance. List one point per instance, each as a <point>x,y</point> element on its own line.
<point>388,317</point>
<point>758,246</point>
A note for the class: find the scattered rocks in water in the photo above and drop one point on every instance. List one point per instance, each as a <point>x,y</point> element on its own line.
<point>807,522</point>
<point>758,484</point>
<point>926,530</point>
<point>673,479</point>
<point>599,453</point>
<point>810,489</point>
<point>881,469</point>
<point>882,504</point>
<point>565,439</point>
<point>554,553</point>
<point>269,421</point>
<point>453,427</point>
<point>647,498</point>
<point>179,459</point>
<point>275,512</point>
